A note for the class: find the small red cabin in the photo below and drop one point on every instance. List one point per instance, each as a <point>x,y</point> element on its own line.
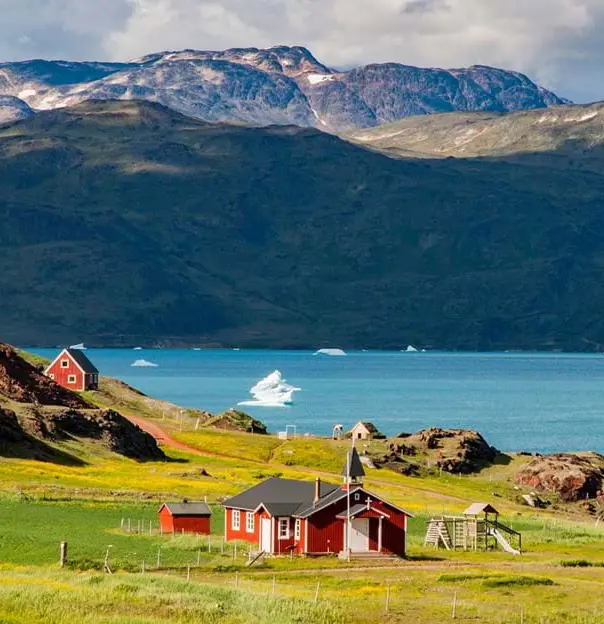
<point>283,515</point>
<point>185,517</point>
<point>73,370</point>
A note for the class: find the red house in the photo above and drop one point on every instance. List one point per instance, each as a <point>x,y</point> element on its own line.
<point>187,517</point>
<point>73,370</point>
<point>281,515</point>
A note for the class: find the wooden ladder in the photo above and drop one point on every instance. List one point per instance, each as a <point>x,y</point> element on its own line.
<point>438,533</point>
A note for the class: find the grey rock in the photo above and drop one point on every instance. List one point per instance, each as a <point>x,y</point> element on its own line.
<point>281,85</point>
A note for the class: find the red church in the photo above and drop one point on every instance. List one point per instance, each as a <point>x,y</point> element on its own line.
<point>283,515</point>
<point>73,370</point>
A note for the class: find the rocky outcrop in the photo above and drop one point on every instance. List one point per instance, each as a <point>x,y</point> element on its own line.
<point>116,433</point>
<point>450,450</point>
<point>13,109</point>
<point>20,381</point>
<point>280,85</point>
<point>571,477</point>
<point>234,420</point>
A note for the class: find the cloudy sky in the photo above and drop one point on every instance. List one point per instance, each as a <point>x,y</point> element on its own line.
<point>559,43</point>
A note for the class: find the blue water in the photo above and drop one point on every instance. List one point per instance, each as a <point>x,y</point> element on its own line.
<point>532,402</point>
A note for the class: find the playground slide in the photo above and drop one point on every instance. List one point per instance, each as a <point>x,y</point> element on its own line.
<point>503,542</point>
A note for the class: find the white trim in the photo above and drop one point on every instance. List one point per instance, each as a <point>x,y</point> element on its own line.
<point>272,534</point>
<point>281,521</point>
<point>72,379</point>
<point>236,526</point>
<point>226,524</point>
<point>380,528</point>
<point>297,529</point>
<point>305,520</point>
<point>371,508</point>
<point>51,376</point>
<point>59,357</point>
<point>249,515</point>
<point>360,489</point>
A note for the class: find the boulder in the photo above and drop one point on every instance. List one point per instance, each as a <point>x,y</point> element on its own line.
<point>571,477</point>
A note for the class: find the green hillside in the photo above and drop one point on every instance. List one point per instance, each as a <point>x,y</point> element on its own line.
<point>126,223</point>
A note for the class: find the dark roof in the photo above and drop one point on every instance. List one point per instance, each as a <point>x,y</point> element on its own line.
<point>83,362</point>
<point>280,496</point>
<point>188,509</point>
<point>325,501</point>
<point>355,469</point>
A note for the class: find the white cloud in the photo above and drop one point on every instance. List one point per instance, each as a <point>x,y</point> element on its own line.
<point>557,42</point>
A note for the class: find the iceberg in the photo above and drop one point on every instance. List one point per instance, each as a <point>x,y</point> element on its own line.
<point>272,391</point>
<point>410,349</point>
<point>138,348</point>
<point>330,352</point>
<point>143,364</point>
<point>78,347</point>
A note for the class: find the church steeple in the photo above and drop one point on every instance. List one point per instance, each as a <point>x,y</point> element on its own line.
<point>353,471</point>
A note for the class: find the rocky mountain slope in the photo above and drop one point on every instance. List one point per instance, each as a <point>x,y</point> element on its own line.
<point>36,413</point>
<point>281,85</point>
<point>13,109</point>
<point>154,228</point>
<point>576,131</point>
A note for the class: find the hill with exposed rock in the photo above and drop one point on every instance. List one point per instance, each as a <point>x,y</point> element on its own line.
<point>36,414</point>
<point>281,85</point>
<point>154,228</point>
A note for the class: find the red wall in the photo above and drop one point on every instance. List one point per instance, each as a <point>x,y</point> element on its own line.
<point>61,374</point>
<point>326,532</point>
<point>188,524</point>
<point>243,534</point>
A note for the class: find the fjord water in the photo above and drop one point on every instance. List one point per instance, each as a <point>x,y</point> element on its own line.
<point>518,401</point>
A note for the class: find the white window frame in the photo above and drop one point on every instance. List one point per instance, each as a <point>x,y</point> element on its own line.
<point>51,376</point>
<point>297,529</point>
<point>283,528</point>
<point>72,379</point>
<point>64,363</point>
<point>357,496</point>
<point>250,524</point>
<point>236,520</point>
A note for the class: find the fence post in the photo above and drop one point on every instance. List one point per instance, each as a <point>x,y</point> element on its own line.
<point>454,609</point>
<point>209,543</point>
<point>199,557</point>
<point>236,580</point>
<point>235,552</point>
<point>122,525</point>
<point>129,525</point>
<point>63,554</point>
<point>521,615</point>
<point>158,557</point>
<point>388,598</point>
<point>274,585</point>
<point>317,592</point>
<point>150,527</point>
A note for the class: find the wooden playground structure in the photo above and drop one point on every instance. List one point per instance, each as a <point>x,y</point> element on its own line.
<point>477,529</point>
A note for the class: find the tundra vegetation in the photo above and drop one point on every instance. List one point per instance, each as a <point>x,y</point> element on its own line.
<point>105,507</point>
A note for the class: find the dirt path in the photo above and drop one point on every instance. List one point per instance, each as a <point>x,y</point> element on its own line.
<point>165,439</point>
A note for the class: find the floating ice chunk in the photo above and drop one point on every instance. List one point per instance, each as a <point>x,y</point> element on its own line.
<point>78,347</point>
<point>330,352</point>
<point>143,364</point>
<point>272,391</point>
<point>137,349</point>
<point>411,349</point>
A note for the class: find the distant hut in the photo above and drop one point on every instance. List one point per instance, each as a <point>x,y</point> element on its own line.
<point>365,431</point>
<point>186,516</point>
<point>73,370</point>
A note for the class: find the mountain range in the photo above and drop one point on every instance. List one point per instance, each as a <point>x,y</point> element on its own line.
<point>127,223</point>
<point>281,85</point>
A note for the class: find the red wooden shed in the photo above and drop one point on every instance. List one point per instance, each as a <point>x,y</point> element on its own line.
<point>281,515</point>
<point>73,370</point>
<point>186,516</point>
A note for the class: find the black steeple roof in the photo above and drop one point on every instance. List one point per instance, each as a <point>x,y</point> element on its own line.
<point>355,469</point>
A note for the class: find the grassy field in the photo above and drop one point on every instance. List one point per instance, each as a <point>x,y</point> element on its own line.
<point>559,578</point>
